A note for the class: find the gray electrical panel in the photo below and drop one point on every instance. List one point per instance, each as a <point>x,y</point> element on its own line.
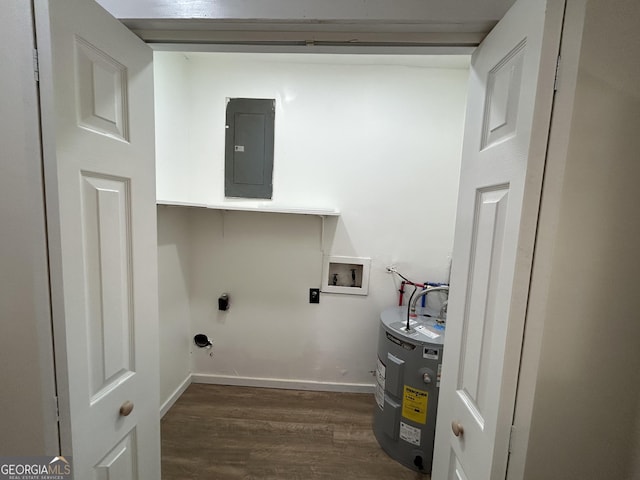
<point>249,148</point>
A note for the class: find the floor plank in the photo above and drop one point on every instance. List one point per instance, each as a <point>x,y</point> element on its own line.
<point>246,433</point>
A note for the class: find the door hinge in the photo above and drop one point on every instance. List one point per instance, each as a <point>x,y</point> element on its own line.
<point>556,80</point>
<point>512,433</point>
<point>36,65</point>
<point>57,408</point>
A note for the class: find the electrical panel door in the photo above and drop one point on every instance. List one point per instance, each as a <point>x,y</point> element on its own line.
<point>249,148</point>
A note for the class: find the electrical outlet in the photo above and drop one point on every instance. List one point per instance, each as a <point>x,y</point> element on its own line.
<point>391,269</point>
<point>314,295</point>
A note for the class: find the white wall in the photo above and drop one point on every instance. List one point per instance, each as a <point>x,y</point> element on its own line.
<point>585,420</point>
<point>27,409</point>
<point>174,256</point>
<point>266,263</point>
<point>173,231</point>
<point>380,142</point>
<point>171,104</point>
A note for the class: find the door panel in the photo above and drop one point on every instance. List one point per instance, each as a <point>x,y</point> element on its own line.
<point>107,255</point>
<point>478,321</point>
<point>507,123</point>
<point>120,463</point>
<point>502,98</point>
<point>457,473</point>
<point>98,140</point>
<point>101,84</point>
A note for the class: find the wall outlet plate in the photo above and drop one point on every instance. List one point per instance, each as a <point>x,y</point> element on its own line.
<point>314,295</point>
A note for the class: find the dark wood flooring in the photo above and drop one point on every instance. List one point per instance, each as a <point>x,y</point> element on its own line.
<point>223,432</point>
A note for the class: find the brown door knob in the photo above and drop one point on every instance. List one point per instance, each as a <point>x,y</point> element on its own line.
<point>457,428</point>
<point>126,408</point>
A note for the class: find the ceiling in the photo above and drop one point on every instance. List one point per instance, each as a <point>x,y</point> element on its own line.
<point>346,22</point>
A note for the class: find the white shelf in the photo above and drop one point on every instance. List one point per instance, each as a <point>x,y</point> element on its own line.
<point>324,212</point>
<point>171,203</point>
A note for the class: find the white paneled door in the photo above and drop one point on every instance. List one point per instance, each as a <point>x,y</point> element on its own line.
<point>96,82</point>
<point>507,122</point>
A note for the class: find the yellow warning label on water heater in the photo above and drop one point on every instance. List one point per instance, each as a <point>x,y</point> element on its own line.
<point>414,404</point>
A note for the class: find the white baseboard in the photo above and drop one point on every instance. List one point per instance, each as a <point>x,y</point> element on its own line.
<point>175,395</point>
<point>282,383</point>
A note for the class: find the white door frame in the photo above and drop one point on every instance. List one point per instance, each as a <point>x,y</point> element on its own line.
<point>548,219</point>
<point>28,402</point>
